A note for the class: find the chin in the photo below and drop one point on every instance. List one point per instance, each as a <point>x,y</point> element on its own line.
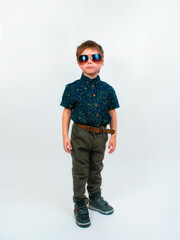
<point>91,71</point>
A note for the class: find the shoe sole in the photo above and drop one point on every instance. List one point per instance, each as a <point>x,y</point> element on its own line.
<point>83,225</point>
<point>100,211</point>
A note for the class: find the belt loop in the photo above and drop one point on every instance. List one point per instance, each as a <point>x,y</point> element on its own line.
<point>88,128</point>
<point>103,129</point>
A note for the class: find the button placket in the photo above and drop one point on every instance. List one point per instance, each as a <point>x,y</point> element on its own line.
<point>93,89</point>
<point>94,99</point>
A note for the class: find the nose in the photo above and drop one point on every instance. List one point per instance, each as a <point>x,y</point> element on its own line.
<point>89,60</point>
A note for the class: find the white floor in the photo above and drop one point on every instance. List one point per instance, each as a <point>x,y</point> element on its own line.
<point>36,200</point>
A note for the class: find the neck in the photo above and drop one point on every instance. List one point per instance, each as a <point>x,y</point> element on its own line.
<point>90,76</point>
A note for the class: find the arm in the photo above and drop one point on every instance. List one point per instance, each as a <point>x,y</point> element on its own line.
<point>113,125</point>
<point>66,117</point>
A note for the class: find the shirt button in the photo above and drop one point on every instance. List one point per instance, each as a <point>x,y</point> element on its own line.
<point>94,95</point>
<point>97,115</point>
<point>87,82</point>
<point>97,125</point>
<point>95,105</point>
<point>92,85</point>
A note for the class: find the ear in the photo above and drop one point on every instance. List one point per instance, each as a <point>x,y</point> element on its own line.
<point>79,65</point>
<point>102,63</point>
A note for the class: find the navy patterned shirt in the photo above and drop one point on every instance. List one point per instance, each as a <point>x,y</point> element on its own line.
<point>90,101</point>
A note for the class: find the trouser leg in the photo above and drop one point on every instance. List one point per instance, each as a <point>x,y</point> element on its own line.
<point>96,163</point>
<point>81,144</point>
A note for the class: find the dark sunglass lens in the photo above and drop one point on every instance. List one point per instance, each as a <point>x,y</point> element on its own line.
<point>96,57</point>
<point>83,58</point>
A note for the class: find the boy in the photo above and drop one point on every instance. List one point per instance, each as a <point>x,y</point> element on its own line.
<point>91,104</point>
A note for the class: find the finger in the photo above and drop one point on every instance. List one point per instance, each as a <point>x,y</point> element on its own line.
<point>70,147</point>
<point>68,151</point>
<point>111,151</point>
<point>112,148</point>
<point>66,148</point>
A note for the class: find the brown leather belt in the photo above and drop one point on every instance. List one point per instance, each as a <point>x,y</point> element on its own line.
<point>95,129</point>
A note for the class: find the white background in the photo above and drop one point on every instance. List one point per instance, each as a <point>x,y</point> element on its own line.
<point>38,41</point>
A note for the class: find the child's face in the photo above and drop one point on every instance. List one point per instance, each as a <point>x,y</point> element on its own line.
<point>90,68</point>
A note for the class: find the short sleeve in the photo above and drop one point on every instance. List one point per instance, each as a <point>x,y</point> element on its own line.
<point>67,98</point>
<point>112,99</point>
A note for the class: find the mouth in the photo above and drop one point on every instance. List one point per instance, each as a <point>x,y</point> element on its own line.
<point>89,67</point>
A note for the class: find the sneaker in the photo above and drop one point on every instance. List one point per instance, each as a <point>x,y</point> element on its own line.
<point>81,213</point>
<point>97,203</point>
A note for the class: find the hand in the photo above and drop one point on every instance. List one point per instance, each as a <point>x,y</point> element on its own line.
<point>112,143</point>
<point>67,144</point>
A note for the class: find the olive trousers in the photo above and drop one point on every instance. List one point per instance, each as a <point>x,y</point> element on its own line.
<point>88,149</point>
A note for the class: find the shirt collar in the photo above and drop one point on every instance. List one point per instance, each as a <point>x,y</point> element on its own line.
<point>87,79</point>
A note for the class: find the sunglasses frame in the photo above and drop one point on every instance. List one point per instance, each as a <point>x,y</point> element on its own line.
<point>92,56</point>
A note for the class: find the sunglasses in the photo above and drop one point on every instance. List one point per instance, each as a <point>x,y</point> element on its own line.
<point>96,58</point>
